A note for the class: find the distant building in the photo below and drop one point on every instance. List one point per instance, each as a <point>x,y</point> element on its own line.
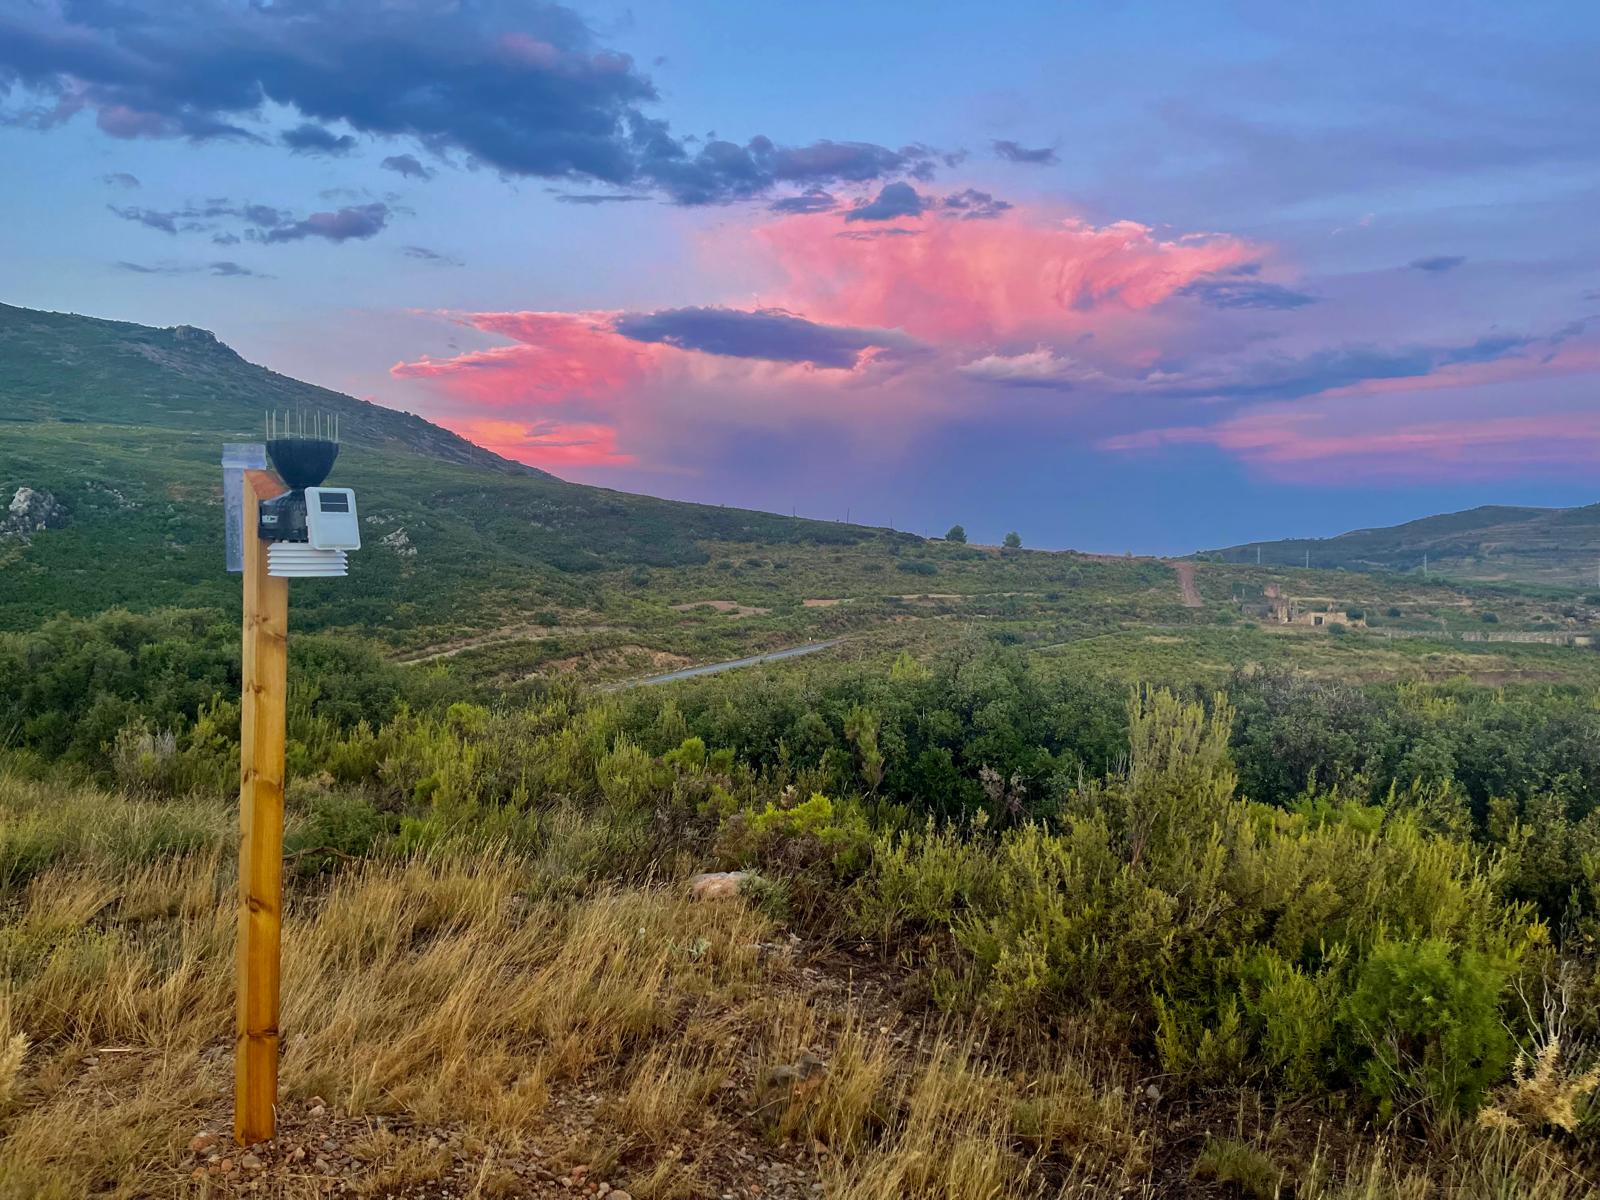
<point>1277,609</point>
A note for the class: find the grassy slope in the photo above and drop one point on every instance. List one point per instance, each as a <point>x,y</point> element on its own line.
<point>124,425</point>
<point>1555,546</point>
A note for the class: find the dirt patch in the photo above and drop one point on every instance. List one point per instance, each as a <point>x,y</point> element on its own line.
<point>1190,593</point>
<point>824,603</point>
<point>732,607</point>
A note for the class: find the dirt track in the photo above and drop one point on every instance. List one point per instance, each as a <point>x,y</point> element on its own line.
<point>1191,594</point>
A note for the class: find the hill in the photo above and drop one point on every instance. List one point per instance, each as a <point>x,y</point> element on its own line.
<point>117,428</point>
<point>1553,546</point>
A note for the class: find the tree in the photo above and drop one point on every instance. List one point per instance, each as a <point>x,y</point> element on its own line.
<point>1013,540</point>
<point>956,534</point>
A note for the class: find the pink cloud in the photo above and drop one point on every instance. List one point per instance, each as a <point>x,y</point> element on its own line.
<point>544,443</point>
<point>1026,275</point>
<point>1334,445</point>
<point>985,304</point>
<point>1541,362</point>
<point>557,357</point>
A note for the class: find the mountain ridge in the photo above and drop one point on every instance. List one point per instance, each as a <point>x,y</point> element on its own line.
<point>1490,542</point>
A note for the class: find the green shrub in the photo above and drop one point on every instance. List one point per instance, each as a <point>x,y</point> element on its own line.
<point>1426,1015</point>
<point>336,826</point>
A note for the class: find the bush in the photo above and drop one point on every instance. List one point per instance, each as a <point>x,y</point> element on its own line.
<point>917,566</point>
<point>1427,1014</point>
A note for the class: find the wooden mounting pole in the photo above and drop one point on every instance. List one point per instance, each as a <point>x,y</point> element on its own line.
<point>261,737</point>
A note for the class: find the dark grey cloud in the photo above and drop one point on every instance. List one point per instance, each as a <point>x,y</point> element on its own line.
<point>224,268</point>
<point>311,138</point>
<point>812,200</point>
<point>524,88</point>
<point>766,333</point>
<point>893,200</point>
<point>423,254</point>
<point>406,165</point>
<point>355,223</point>
<point>164,221</point>
<point>1438,263</point>
<point>120,179</point>
<point>720,171</point>
<point>1291,378</point>
<point>596,198</point>
<point>262,222</point>
<point>973,205</point>
<point>1246,293</point>
<point>1010,151</point>
<point>867,235</point>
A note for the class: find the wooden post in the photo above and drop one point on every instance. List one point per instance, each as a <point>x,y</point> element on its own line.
<point>261,737</point>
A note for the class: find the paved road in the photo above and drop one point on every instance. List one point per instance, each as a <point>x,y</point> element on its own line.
<point>734,664</point>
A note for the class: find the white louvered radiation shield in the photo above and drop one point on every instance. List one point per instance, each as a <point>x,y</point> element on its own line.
<point>297,560</point>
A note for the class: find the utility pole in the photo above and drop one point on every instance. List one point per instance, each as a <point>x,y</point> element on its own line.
<point>1258,556</point>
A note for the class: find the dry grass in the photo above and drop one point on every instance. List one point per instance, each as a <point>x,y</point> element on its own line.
<point>629,1029</point>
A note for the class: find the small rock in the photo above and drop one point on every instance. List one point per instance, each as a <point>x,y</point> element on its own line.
<point>619,1194</point>
<point>298,1154</point>
<point>1153,1092</point>
<point>316,1102</point>
<point>226,1166</point>
<point>320,1163</point>
<point>250,1162</point>
<point>201,1142</point>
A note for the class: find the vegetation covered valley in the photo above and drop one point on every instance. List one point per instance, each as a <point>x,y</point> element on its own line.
<point>1053,874</point>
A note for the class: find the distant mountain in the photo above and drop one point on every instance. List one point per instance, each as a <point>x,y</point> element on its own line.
<point>1554,546</point>
<point>116,431</point>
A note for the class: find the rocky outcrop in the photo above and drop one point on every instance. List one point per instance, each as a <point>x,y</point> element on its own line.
<point>31,511</point>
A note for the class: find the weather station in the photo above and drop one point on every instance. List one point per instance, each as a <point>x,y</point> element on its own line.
<point>282,524</point>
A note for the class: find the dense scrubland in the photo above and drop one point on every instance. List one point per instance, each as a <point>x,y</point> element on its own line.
<point>1012,928</point>
<point>1054,884</point>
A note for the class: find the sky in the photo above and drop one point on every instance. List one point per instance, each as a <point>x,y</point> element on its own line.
<point>1115,275</point>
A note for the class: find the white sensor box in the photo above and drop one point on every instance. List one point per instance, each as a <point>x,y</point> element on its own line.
<point>331,519</point>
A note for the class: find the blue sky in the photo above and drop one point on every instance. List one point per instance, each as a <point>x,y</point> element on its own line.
<point>1118,276</point>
